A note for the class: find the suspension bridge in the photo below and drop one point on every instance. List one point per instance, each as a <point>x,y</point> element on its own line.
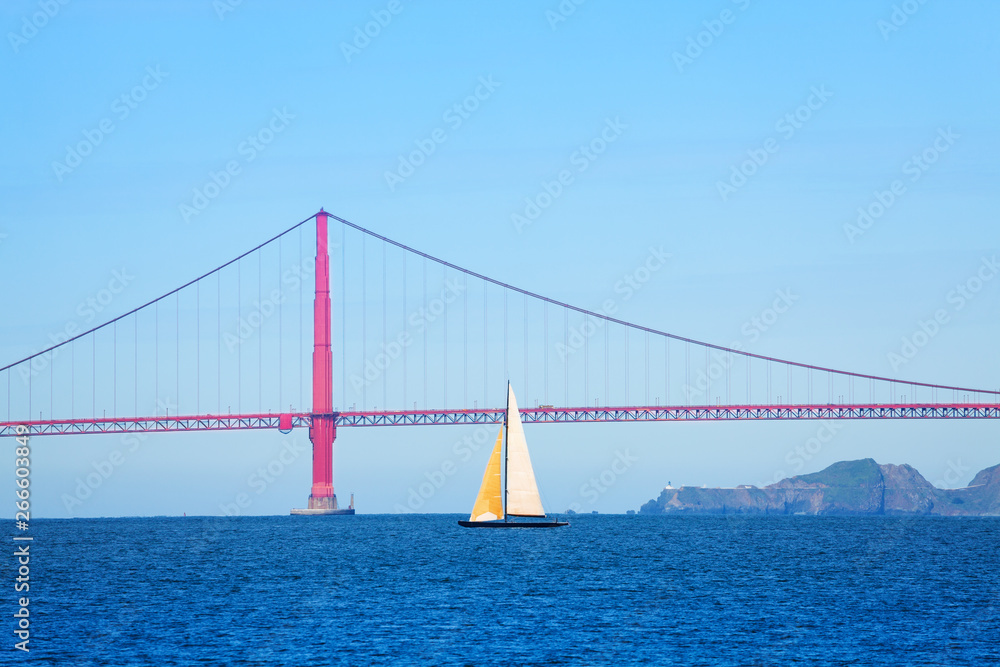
<point>404,339</point>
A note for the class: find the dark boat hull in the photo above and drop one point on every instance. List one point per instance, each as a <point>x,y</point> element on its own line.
<point>512,524</point>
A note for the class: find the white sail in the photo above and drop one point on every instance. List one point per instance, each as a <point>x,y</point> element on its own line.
<point>522,490</point>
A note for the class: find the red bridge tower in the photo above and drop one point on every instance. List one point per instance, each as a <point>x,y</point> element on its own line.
<point>322,433</point>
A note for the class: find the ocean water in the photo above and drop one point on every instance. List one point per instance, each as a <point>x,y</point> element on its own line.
<point>421,590</point>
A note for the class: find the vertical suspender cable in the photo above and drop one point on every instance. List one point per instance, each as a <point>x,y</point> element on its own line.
<point>625,330</point>
<point>424,336</point>
<point>687,373</point>
<point>364,322</point>
<point>280,333</point>
<point>646,367</point>
<point>177,352</point>
<point>239,346</point>
<point>524,351</point>
<point>444,356</point>
<point>565,357</point>
<point>586,361</point>
<point>385,341</point>
<point>218,352</point>
<point>343,315</point>
<point>302,334</point>
<point>260,336</point>
<point>486,342</point>
<point>545,350</point>
<point>404,329</point>
<point>607,380</point>
<point>465,341</point>
<point>135,364</point>
<point>768,382</point>
<point>197,347</point>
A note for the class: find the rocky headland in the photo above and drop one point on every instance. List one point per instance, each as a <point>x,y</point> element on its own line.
<point>846,488</point>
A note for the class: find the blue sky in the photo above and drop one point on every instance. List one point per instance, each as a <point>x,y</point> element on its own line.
<point>199,79</point>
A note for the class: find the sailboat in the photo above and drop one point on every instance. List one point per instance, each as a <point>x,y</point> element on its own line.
<point>509,489</point>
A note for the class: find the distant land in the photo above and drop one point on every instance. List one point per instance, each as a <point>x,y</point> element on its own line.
<point>846,488</point>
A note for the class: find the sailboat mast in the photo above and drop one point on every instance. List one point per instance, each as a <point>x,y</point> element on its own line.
<point>506,451</point>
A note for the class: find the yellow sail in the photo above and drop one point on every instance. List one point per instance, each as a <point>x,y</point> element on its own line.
<point>489,504</point>
<point>522,490</point>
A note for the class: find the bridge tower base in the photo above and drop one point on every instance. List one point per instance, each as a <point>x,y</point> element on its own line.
<point>322,506</point>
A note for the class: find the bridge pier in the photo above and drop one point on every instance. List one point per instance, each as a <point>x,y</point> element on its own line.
<point>323,431</point>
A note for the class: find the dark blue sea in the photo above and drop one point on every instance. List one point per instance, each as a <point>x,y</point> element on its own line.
<point>421,590</point>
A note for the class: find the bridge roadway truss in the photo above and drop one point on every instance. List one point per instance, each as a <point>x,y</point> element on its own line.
<point>495,416</point>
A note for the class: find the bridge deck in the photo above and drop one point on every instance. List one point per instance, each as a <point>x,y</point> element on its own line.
<point>494,416</point>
